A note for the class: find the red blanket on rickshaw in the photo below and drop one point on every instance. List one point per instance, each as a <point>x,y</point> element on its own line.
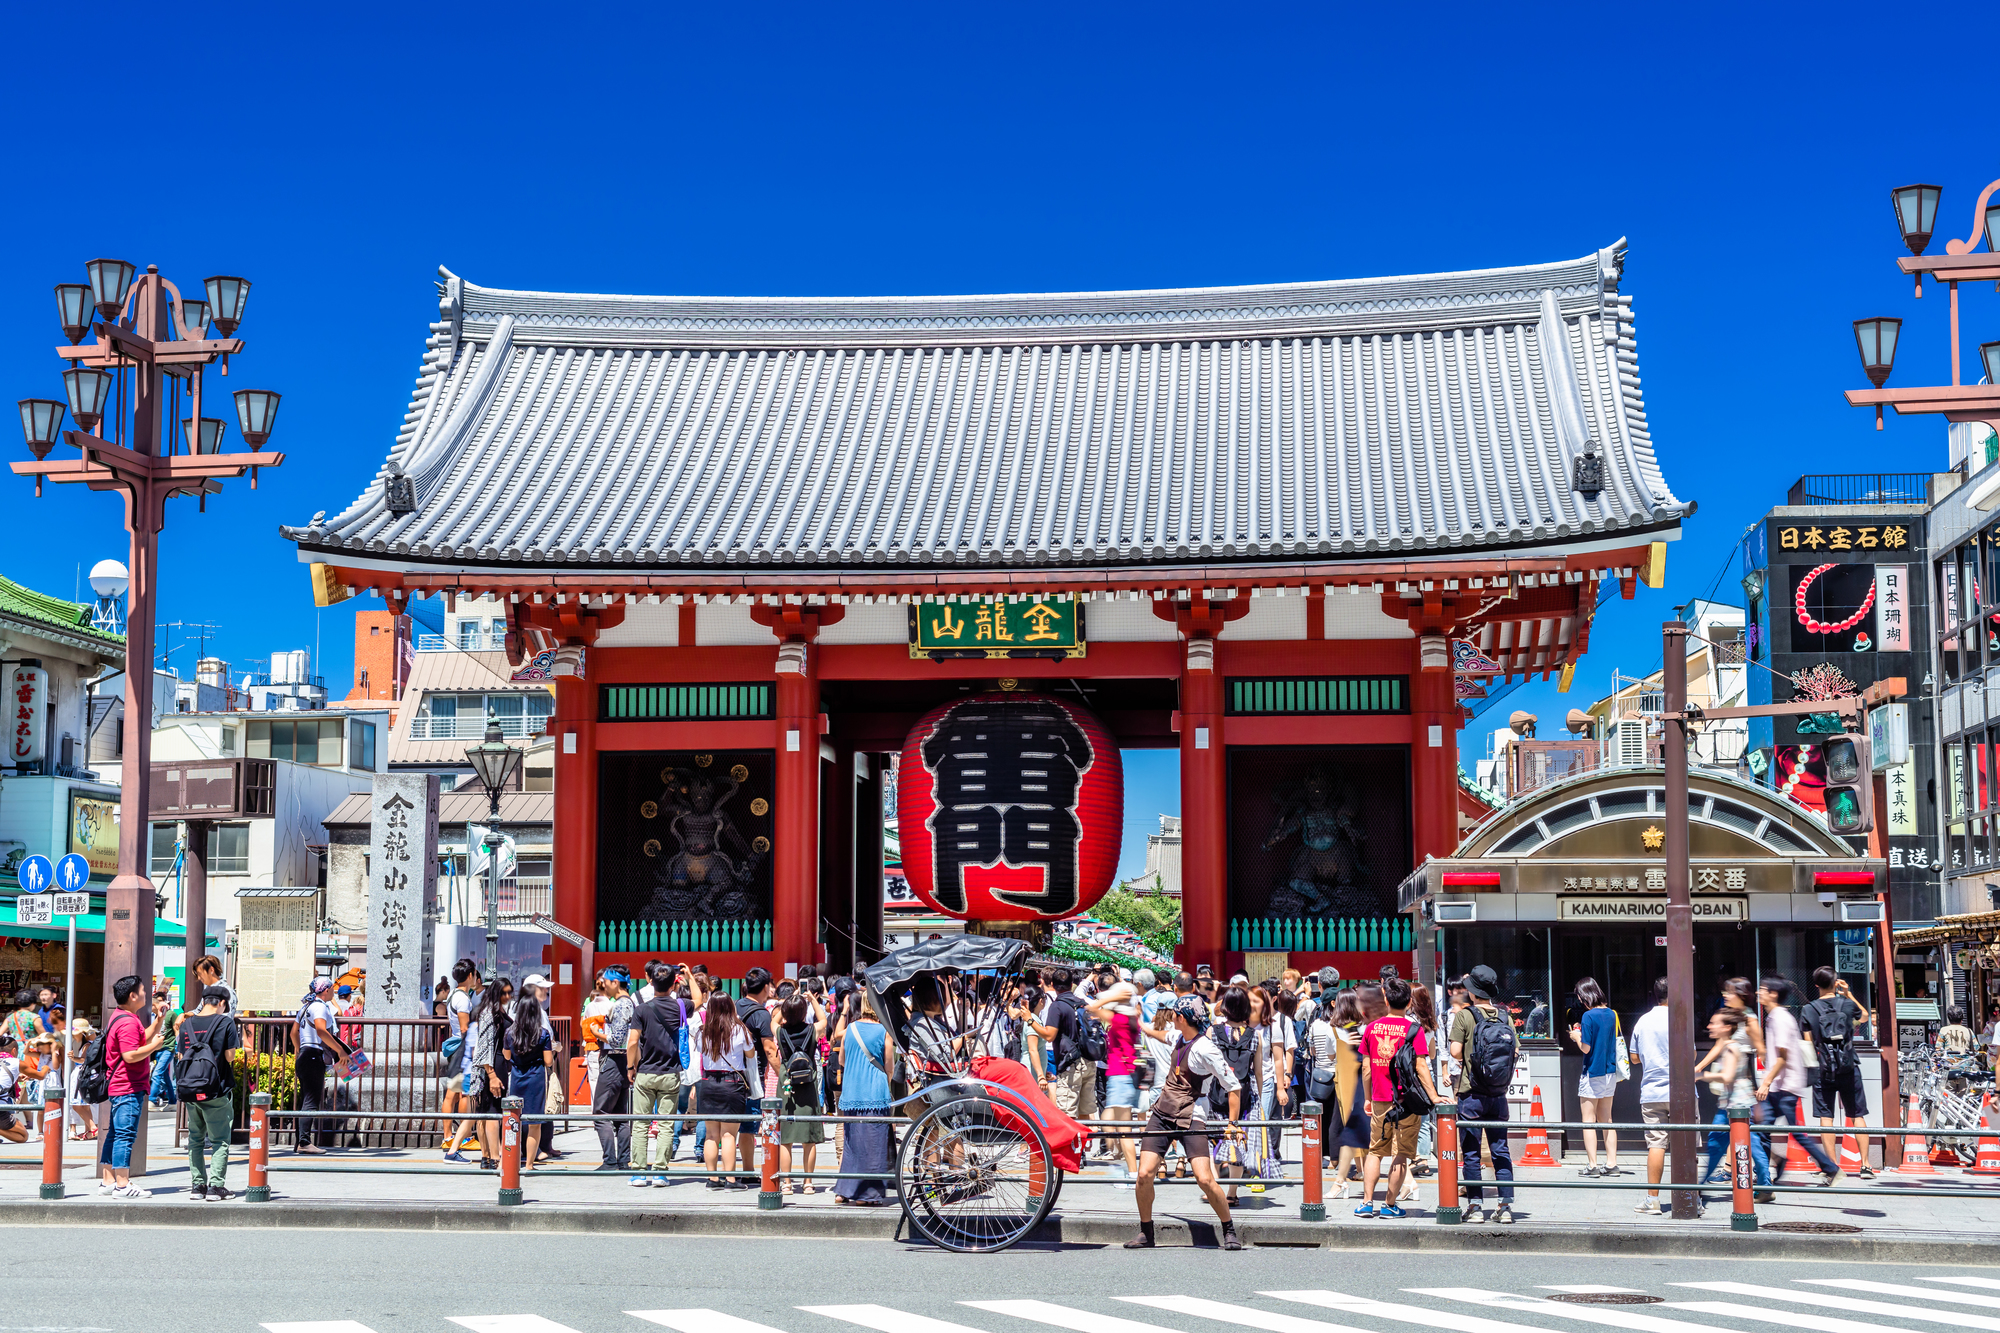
<point>1066,1138</point>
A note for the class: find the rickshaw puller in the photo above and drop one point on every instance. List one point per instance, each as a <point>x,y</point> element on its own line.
<point>1177,1116</point>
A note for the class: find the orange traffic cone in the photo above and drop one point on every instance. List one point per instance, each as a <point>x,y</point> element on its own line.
<point>1796,1156</point>
<point>1989,1146</point>
<point>1916,1157</point>
<point>1538,1138</point>
<point>1852,1159</point>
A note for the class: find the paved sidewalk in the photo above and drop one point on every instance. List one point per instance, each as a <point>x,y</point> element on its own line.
<point>352,1184</point>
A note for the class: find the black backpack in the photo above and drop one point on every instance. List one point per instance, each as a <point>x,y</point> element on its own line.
<point>1833,1044</point>
<point>1411,1099</point>
<point>801,1063</point>
<point>1491,1054</point>
<point>200,1071</point>
<point>1302,1053</point>
<point>1240,1053</point>
<point>93,1079</point>
<point>1090,1043</point>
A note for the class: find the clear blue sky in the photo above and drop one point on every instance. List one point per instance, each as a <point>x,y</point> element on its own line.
<point>337,157</point>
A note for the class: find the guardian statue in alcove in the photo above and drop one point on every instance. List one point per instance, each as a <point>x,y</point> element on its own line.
<point>1326,875</point>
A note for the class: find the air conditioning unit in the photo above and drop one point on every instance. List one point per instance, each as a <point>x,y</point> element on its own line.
<point>1628,743</point>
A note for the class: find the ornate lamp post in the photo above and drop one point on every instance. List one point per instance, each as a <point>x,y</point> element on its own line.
<point>125,388</point>
<point>495,762</point>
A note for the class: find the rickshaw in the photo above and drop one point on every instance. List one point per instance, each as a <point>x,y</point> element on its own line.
<point>975,1170</point>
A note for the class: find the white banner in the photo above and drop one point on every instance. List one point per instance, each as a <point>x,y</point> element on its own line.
<point>1649,907</point>
<point>1892,607</point>
<point>1900,783</point>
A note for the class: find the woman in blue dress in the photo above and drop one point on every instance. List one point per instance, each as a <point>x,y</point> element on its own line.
<point>529,1053</point>
<point>869,1145</point>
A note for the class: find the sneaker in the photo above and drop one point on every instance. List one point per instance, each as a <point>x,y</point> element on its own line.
<point>1587,1172</point>
<point>454,1156</point>
<point>640,1181</point>
<point>1866,1173</point>
<point>1764,1196</point>
<point>1474,1214</point>
<point>1365,1210</point>
<point>1653,1208</point>
<point>220,1195</point>
<point>1391,1210</point>
<point>658,1182</point>
<point>105,1187</point>
<point>129,1192</point>
<point>198,1193</point>
<point>1504,1214</point>
<point>1827,1181</point>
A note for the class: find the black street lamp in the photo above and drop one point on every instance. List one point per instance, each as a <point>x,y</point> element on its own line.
<point>495,763</point>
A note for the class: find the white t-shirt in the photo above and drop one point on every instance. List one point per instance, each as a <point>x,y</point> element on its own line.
<point>1308,1006</point>
<point>733,1058</point>
<point>309,1036</point>
<point>1204,1060</point>
<point>1649,1049</point>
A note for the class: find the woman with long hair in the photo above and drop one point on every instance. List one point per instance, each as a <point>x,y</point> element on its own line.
<point>489,1020</point>
<point>722,1098</point>
<point>1347,1128</point>
<point>868,1145</point>
<point>1236,1034</point>
<point>528,1051</point>
<point>1596,1034</point>
<point>800,1073</point>
<point>1423,1012</point>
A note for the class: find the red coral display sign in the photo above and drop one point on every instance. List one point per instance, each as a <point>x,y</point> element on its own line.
<point>1010,807</point>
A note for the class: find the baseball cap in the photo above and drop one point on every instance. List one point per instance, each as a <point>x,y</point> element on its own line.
<point>344,991</point>
<point>537,979</point>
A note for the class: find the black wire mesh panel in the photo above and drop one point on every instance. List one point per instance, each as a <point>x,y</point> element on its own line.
<point>685,835</point>
<point>1318,830</point>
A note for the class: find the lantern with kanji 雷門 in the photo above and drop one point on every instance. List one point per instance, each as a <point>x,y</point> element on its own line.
<point>1010,807</point>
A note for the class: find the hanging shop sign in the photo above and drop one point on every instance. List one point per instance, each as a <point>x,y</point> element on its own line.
<point>93,832</point>
<point>1037,627</point>
<point>27,714</point>
<point>1814,538</point>
<point>1010,807</point>
<point>1650,907</point>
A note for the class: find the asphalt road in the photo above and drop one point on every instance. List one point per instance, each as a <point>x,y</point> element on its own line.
<point>160,1280</point>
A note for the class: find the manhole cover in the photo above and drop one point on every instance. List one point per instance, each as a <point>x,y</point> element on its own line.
<point>1811,1228</point>
<point>1606,1298</point>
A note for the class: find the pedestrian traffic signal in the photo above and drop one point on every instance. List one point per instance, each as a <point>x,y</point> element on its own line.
<point>1850,785</point>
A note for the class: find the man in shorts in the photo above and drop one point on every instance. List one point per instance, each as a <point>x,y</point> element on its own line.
<point>1178,1116</point>
<point>1391,1136</point>
<point>1833,1023</point>
<point>1651,1053</point>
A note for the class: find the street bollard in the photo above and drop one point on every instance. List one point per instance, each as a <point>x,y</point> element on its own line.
<point>510,1151</point>
<point>1742,1182</point>
<point>1449,1213</point>
<point>772,1195</point>
<point>1314,1207</point>
<point>259,1188</point>
<point>53,1131</point>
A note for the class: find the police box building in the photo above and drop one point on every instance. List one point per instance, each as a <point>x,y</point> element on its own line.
<point>771,547</point>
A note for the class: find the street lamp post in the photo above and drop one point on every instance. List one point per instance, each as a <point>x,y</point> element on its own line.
<point>146,362</point>
<point>495,762</point>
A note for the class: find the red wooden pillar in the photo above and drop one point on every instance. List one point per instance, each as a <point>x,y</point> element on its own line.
<point>574,726</point>
<point>795,817</point>
<point>1434,713</point>
<point>1204,811</point>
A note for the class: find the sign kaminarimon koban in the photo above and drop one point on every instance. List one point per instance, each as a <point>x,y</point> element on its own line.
<point>1011,807</point>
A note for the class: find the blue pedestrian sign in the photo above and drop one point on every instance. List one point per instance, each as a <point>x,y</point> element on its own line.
<point>37,874</point>
<point>72,873</point>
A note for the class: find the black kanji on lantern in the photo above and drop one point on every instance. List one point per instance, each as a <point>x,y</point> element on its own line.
<point>1005,776</point>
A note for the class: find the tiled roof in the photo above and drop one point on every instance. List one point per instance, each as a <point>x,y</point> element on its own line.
<point>71,617</point>
<point>459,807</point>
<point>1325,419</point>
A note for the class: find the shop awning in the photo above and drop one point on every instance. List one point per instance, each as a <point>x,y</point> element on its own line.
<point>89,929</point>
<point>1971,927</point>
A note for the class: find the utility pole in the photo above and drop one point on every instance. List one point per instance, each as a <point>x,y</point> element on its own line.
<point>1681,1102</point>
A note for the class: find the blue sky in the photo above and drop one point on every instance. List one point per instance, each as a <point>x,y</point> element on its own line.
<point>337,157</point>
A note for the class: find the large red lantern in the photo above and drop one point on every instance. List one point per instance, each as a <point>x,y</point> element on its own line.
<point>1010,808</point>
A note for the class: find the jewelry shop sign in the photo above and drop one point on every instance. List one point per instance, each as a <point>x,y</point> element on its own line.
<point>1647,908</point>
<point>1032,627</point>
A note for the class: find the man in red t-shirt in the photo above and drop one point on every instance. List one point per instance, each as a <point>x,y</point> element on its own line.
<point>128,1047</point>
<point>1392,1138</point>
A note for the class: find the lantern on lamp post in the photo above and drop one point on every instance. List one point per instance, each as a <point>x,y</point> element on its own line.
<point>494,763</point>
<point>1876,340</point>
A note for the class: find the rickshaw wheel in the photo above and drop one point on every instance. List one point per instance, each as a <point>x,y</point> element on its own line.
<point>965,1176</point>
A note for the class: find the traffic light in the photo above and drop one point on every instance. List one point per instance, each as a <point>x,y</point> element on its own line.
<point>1850,785</point>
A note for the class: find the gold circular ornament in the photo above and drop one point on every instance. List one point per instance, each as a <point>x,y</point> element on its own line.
<point>649,810</point>
<point>652,847</point>
<point>760,843</point>
<point>760,806</point>
<point>667,775</point>
<point>1009,683</point>
<point>703,760</point>
<point>739,773</point>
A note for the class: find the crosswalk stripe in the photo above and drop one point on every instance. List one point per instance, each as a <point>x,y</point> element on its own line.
<point>1951,1317</point>
<point>1582,1288</point>
<point>885,1320</point>
<point>509,1323</point>
<point>1816,1323</point>
<point>700,1321</point>
<point>1269,1320</point>
<point>1061,1316</point>
<point>1588,1314</point>
<point>1966,1281</point>
<point>319,1326</point>
<point>1408,1314</point>
<point>1894,1289</point>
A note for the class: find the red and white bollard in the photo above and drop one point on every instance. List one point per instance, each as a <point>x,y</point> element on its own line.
<point>1313,1209</point>
<point>510,1151</point>
<point>1742,1178</point>
<point>1449,1213</point>
<point>259,1188</point>
<point>772,1192</point>
<point>53,1131</point>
